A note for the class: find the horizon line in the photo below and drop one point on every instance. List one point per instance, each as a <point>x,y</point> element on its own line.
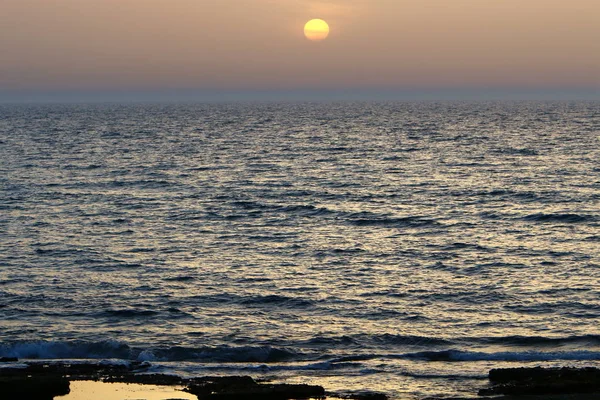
<point>294,95</point>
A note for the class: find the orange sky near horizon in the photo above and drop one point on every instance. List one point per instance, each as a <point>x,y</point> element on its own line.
<point>259,44</point>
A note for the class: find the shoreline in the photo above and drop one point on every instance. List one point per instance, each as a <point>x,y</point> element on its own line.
<point>53,379</point>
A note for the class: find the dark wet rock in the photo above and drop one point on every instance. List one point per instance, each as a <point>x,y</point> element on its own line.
<point>543,381</point>
<point>147,379</point>
<point>359,395</point>
<point>76,371</point>
<point>8,359</point>
<point>460,398</point>
<point>33,388</point>
<point>504,375</point>
<point>43,381</point>
<point>246,388</point>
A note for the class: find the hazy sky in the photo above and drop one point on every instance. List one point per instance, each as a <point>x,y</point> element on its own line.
<point>259,44</point>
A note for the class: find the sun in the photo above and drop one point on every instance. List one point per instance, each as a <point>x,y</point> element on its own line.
<point>316,30</point>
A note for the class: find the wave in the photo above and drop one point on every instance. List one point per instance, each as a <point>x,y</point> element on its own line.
<point>182,278</point>
<point>363,341</point>
<point>458,355</point>
<point>361,219</point>
<point>411,340</point>
<point>376,220</point>
<point>71,350</point>
<point>386,341</point>
<point>129,313</point>
<point>557,217</point>
<point>268,300</point>
<point>526,196</point>
<point>343,351</point>
<point>517,151</point>
<point>567,308</point>
<point>542,340</point>
<point>332,341</point>
<point>302,209</point>
<point>117,350</point>
<point>277,300</point>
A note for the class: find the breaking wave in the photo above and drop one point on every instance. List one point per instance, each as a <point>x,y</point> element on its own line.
<point>114,349</point>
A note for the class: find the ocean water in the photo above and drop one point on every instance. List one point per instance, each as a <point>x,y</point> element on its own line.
<point>400,247</point>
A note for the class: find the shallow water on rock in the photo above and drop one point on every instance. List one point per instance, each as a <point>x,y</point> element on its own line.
<point>92,390</point>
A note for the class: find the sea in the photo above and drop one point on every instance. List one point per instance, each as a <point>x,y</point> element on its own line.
<point>399,247</point>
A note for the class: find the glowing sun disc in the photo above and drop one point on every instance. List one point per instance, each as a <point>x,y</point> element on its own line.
<point>316,30</point>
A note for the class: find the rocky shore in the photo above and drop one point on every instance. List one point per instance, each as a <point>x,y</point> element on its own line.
<point>45,380</point>
<point>543,381</point>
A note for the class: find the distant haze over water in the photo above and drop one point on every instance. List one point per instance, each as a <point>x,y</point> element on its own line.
<point>407,247</point>
<point>303,95</point>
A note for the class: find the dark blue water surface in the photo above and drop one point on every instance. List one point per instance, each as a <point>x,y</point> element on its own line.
<point>406,247</point>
